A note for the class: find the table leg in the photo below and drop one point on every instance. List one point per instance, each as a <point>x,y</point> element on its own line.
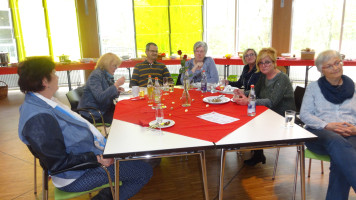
<point>222,168</point>
<point>296,173</point>
<point>226,71</point>
<point>69,82</point>
<point>203,168</point>
<point>306,75</point>
<point>287,70</point>
<point>117,178</point>
<point>302,171</point>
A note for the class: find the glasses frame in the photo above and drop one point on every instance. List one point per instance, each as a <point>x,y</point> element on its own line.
<point>336,64</point>
<point>267,63</point>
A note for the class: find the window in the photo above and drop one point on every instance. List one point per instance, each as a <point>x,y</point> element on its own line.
<point>7,40</point>
<point>34,34</point>
<point>349,32</point>
<point>316,30</point>
<point>63,26</point>
<point>237,25</point>
<point>116,27</point>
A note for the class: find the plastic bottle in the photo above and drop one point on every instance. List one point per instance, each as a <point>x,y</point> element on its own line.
<point>150,90</point>
<point>157,92</point>
<point>204,82</point>
<point>251,109</point>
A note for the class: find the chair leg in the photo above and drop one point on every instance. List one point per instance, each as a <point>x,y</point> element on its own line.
<point>45,185</point>
<point>275,164</point>
<point>35,176</point>
<point>310,160</point>
<point>322,167</point>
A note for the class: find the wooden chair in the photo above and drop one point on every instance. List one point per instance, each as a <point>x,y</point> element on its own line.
<point>311,155</point>
<point>58,194</point>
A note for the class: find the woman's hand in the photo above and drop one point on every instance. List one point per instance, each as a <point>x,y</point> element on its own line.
<point>119,82</point>
<point>239,97</point>
<point>104,161</point>
<point>197,66</point>
<point>120,89</point>
<point>342,128</point>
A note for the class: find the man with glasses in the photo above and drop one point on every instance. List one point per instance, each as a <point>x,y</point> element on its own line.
<point>149,67</point>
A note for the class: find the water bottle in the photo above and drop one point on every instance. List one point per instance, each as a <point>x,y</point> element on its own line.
<point>150,90</point>
<point>251,109</point>
<point>204,82</point>
<point>157,92</point>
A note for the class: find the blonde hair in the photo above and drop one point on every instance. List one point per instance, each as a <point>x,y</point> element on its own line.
<point>107,60</point>
<point>266,52</point>
<point>244,54</point>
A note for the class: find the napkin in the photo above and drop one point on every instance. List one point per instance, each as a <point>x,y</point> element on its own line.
<point>136,98</point>
<point>144,123</point>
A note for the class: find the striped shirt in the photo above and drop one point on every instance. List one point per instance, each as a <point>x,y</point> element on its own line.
<point>142,70</point>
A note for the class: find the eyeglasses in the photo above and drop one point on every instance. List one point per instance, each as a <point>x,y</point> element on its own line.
<point>249,55</point>
<point>153,51</point>
<point>336,64</point>
<point>264,63</point>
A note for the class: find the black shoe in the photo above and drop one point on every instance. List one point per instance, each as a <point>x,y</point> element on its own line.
<point>255,160</point>
<point>104,194</point>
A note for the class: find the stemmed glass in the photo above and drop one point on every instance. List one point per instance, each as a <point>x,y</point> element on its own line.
<point>159,116</point>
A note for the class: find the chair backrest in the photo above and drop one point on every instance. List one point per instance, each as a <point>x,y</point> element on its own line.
<point>298,97</point>
<point>74,96</point>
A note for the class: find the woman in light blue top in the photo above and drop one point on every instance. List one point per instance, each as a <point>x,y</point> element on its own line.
<point>329,111</point>
<point>199,63</point>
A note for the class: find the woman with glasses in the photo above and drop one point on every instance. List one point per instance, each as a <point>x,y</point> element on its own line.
<point>249,75</point>
<point>199,63</point>
<point>273,90</point>
<point>329,111</point>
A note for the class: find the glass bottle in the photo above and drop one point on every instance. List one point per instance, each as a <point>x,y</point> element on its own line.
<point>150,91</point>
<point>157,92</point>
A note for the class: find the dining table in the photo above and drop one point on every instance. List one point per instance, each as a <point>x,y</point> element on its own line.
<point>204,125</point>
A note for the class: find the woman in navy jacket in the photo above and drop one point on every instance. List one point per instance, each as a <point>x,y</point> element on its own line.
<point>100,89</point>
<point>62,139</point>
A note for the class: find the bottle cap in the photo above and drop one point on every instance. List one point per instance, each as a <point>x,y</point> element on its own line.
<point>203,70</point>
<point>149,76</point>
<point>252,86</point>
<point>156,77</point>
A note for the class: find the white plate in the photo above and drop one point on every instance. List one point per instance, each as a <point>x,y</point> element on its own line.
<point>209,100</point>
<point>153,123</point>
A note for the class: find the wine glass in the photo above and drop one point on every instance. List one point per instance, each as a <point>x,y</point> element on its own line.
<point>166,85</point>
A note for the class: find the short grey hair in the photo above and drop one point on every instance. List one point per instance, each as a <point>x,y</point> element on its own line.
<point>200,44</point>
<point>324,57</point>
<point>245,52</point>
<point>149,44</point>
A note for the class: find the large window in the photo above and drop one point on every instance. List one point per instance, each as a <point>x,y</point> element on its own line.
<point>349,31</point>
<point>317,25</point>
<point>7,40</point>
<point>233,26</point>
<point>116,27</point>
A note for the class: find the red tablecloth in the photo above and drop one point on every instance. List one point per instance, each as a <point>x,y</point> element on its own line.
<point>186,121</point>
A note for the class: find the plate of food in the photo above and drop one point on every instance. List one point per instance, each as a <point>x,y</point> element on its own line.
<point>216,99</point>
<point>165,123</point>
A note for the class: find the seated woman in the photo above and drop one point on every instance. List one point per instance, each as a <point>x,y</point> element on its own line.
<point>329,111</point>
<point>199,63</point>
<point>62,138</point>
<point>273,90</point>
<point>100,89</point>
<point>249,75</point>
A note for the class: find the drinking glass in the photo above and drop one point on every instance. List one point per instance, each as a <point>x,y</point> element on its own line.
<point>166,85</point>
<point>159,116</point>
<point>142,93</point>
<point>171,84</point>
<point>289,118</point>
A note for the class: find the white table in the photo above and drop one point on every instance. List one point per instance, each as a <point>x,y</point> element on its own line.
<point>129,141</point>
<point>265,131</point>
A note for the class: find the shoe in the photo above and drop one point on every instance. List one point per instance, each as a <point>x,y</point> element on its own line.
<point>256,158</point>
